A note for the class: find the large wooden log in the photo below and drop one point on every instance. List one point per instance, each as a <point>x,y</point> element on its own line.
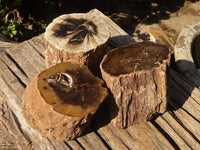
<point>78,38</point>
<point>137,76</point>
<point>60,101</point>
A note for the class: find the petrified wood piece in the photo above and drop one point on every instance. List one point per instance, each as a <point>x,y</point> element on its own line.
<point>187,53</point>
<point>60,101</point>
<point>165,37</point>
<point>136,74</point>
<point>78,38</point>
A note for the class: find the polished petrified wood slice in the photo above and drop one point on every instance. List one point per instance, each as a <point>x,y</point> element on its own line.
<point>60,101</point>
<point>136,74</point>
<point>80,38</point>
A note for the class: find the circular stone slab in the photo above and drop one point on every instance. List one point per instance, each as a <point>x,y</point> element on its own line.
<point>184,50</point>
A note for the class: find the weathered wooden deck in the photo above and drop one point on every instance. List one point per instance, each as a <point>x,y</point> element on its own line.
<point>178,128</point>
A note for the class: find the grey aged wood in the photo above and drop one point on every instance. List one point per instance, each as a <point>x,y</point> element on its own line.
<point>177,128</point>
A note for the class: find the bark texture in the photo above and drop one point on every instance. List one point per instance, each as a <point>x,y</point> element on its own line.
<point>91,58</point>
<point>138,95</point>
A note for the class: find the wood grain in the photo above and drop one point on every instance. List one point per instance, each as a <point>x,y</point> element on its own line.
<point>178,128</point>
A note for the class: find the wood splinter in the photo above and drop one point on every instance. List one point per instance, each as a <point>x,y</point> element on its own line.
<point>136,74</point>
<point>60,101</point>
<point>77,38</point>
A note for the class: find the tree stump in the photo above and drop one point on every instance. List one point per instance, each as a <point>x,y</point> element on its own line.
<point>136,74</point>
<point>77,38</point>
<point>60,101</point>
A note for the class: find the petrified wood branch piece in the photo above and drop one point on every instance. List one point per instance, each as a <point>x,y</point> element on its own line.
<point>78,38</point>
<point>136,74</point>
<point>60,101</point>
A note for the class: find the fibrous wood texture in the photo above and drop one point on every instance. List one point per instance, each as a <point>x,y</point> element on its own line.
<point>78,38</point>
<point>136,74</point>
<point>172,130</point>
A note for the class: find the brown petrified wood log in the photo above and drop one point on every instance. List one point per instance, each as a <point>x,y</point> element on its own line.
<point>60,101</point>
<point>136,74</point>
<point>78,38</point>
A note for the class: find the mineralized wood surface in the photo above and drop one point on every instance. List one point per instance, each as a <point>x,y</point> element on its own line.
<point>19,64</point>
<point>137,77</point>
<point>60,101</point>
<point>78,38</point>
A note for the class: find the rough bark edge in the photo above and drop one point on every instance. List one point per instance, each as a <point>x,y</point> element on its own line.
<point>117,89</point>
<point>91,58</point>
<point>49,123</point>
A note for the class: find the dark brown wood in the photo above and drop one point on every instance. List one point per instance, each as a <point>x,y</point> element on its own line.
<point>136,74</point>
<point>170,132</point>
<point>69,110</point>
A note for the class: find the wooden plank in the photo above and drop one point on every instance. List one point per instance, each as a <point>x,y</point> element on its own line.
<point>8,121</point>
<point>6,142</point>
<point>128,139</point>
<point>40,46</point>
<point>74,145</point>
<point>110,137</point>
<point>185,101</point>
<point>23,62</point>
<point>57,145</point>
<point>118,37</point>
<point>187,121</point>
<point>186,85</point>
<point>114,137</point>
<point>91,141</point>
<point>27,58</point>
<point>178,128</point>
<point>28,52</point>
<point>14,67</point>
<point>149,137</point>
<point>12,82</point>
<point>140,136</point>
<point>181,98</point>
<point>35,137</point>
<point>172,133</point>
<point>158,138</point>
